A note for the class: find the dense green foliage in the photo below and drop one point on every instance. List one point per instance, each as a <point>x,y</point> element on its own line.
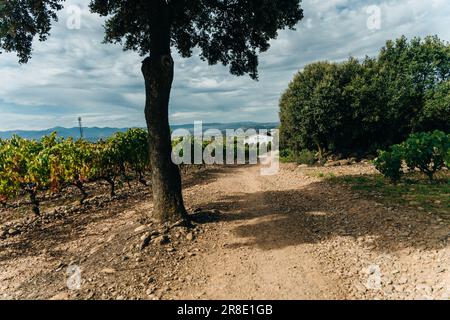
<point>231,33</point>
<point>358,107</point>
<point>389,163</point>
<point>303,157</point>
<point>237,152</point>
<point>52,164</point>
<point>427,152</point>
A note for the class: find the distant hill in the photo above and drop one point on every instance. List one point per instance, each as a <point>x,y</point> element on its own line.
<point>96,133</point>
<point>92,134</point>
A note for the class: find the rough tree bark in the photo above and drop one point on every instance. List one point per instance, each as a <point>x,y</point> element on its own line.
<point>166,180</point>
<point>158,71</point>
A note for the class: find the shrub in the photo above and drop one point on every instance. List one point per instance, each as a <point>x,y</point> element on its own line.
<point>303,157</point>
<point>389,163</point>
<point>427,152</point>
<point>357,107</point>
<point>306,157</point>
<point>286,155</point>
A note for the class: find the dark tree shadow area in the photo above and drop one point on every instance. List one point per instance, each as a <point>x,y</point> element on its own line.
<point>323,210</point>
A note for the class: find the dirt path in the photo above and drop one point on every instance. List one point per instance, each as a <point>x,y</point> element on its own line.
<point>239,268</point>
<point>287,236</point>
<point>294,236</point>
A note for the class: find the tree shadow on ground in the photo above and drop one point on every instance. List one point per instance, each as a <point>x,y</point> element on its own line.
<point>323,210</point>
<point>204,175</point>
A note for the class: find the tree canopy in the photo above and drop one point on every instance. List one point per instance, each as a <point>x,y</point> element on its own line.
<point>231,32</point>
<point>22,20</point>
<point>360,106</point>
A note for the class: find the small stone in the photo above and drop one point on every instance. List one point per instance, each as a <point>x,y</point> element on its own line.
<point>60,296</point>
<point>59,266</point>
<point>108,271</point>
<point>162,240</point>
<point>140,229</point>
<point>12,232</point>
<point>90,295</point>
<point>145,236</point>
<point>190,236</point>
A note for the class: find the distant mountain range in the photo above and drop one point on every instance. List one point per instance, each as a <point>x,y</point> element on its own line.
<point>96,133</point>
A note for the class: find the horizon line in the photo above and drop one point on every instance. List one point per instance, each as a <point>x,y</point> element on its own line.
<point>121,128</point>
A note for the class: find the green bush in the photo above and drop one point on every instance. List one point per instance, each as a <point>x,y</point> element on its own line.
<point>389,163</point>
<point>303,157</point>
<point>356,107</point>
<point>286,155</point>
<point>306,157</point>
<point>427,152</point>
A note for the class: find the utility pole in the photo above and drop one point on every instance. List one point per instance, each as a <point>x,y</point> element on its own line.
<point>81,127</point>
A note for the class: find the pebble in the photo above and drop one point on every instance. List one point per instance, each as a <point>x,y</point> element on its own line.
<point>140,229</point>
<point>108,271</point>
<point>190,236</point>
<point>60,296</point>
<point>162,240</point>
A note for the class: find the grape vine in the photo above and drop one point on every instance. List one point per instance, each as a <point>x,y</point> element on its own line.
<point>50,165</point>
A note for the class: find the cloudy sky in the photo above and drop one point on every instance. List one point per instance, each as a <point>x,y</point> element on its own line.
<point>73,74</point>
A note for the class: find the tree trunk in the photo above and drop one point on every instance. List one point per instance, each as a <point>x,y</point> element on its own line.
<point>166,179</point>
<point>158,74</point>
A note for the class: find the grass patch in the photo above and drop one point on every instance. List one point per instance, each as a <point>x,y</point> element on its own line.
<point>319,174</point>
<point>414,190</point>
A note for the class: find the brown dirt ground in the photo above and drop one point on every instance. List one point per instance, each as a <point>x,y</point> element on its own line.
<point>287,236</point>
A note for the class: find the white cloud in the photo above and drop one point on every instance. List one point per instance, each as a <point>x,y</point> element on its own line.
<point>73,74</point>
